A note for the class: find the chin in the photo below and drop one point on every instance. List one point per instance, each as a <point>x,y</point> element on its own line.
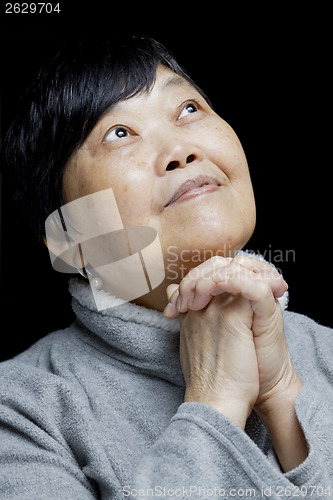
<point>189,253</point>
<point>212,229</point>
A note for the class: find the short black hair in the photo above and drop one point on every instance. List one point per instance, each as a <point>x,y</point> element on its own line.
<point>61,107</point>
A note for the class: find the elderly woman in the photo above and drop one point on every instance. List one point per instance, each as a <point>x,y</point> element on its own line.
<point>201,386</point>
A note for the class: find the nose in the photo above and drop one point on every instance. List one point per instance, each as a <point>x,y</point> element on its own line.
<point>176,163</point>
<point>176,150</point>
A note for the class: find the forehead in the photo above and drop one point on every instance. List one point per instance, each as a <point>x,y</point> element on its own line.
<point>166,83</point>
<point>166,79</point>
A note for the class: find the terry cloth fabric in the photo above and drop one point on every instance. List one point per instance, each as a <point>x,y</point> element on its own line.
<point>95,411</point>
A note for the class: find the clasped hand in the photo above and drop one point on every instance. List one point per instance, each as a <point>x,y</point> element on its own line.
<point>233,350</point>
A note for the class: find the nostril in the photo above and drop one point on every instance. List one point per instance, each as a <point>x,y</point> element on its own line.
<point>190,158</point>
<point>172,165</point>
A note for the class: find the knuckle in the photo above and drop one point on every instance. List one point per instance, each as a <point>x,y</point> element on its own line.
<point>234,269</point>
<point>263,290</point>
<point>217,259</point>
<point>246,259</point>
<point>200,285</point>
<point>241,258</point>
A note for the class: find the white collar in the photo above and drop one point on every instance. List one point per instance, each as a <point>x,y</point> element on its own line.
<point>127,311</point>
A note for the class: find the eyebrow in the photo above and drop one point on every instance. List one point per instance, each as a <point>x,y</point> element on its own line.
<point>175,80</point>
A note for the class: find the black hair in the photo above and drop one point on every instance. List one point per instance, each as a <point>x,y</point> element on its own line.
<point>62,106</point>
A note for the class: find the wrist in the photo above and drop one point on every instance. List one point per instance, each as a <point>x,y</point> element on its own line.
<point>281,400</point>
<point>279,417</point>
<point>234,409</point>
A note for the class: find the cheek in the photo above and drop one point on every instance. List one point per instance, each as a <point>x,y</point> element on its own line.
<point>133,193</point>
<point>133,203</point>
<point>225,150</point>
<point>131,186</point>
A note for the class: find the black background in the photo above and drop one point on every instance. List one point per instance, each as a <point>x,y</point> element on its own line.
<point>266,72</point>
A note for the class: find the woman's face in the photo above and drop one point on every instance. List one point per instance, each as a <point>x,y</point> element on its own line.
<point>145,148</point>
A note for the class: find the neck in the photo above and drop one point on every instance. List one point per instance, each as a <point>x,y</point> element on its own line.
<point>156,299</point>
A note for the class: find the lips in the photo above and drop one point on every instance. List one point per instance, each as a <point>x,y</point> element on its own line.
<point>194,187</point>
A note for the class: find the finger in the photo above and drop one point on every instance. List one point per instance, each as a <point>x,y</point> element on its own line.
<point>266,272</point>
<point>170,311</point>
<point>205,289</point>
<point>204,282</point>
<point>208,287</point>
<point>188,283</point>
<point>171,289</point>
<point>196,294</point>
<point>251,287</point>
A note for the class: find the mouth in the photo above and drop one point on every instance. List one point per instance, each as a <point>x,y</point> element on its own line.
<point>194,187</point>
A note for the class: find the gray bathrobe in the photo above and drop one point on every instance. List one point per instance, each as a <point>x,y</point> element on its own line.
<point>96,411</point>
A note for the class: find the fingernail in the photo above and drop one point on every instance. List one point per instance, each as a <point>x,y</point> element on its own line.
<point>179,305</point>
<point>170,290</point>
<point>168,310</point>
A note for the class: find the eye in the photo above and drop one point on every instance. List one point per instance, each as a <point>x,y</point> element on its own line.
<point>116,133</point>
<point>189,108</point>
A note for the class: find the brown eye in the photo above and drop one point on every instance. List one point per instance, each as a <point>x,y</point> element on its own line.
<point>189,108</point>
<point>116,133</point>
